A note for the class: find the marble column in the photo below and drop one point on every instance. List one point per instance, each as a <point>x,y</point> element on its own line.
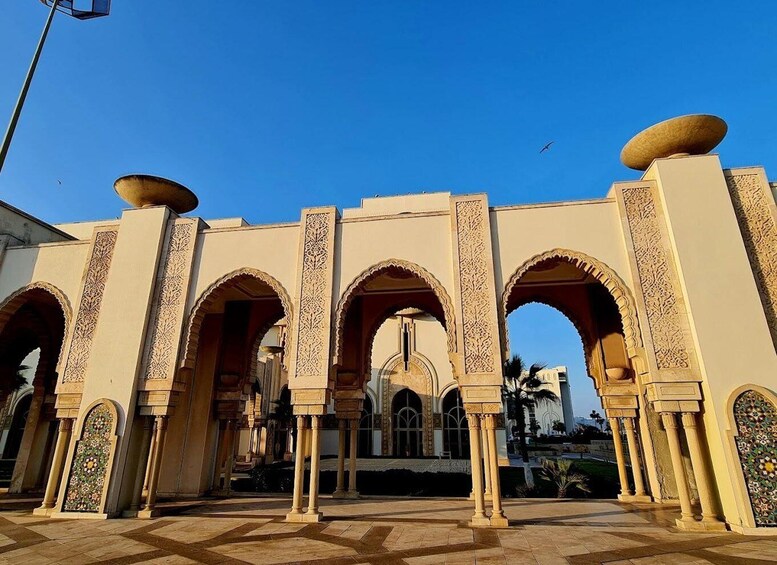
<point>160,432</point>
<point>498,519</point>
<point>620,458</point>
<point>55,473</point>
<point>142,470</point>
<point>313,515</point>
<point>229,459</point>
<point>700,470</point>
<point>354,439</point>
<point>341,429</point>
<point>295,515</point>
<point>636,464</point>
<point>486,459</point>
<point>479,518</point>
<point>673,439</point>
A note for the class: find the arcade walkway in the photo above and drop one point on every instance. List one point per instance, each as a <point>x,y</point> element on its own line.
<point>377,531</point>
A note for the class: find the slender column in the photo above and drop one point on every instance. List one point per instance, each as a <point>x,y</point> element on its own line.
<point>479,518</point>
<point>219,466</point>
<point>636,465</point>
<point>232,430</point>
<point>315,459</point>
<point>55,474</point>
<point>340,490</point>
<point>699,465</point>
<point>619,457</point>
<point>160,431</point>
<point>497,516</point>
<point>670,424</point>
<point>299,472</point>
<point>486,459</point>
<point>142,471</point>
<point>354,437</point>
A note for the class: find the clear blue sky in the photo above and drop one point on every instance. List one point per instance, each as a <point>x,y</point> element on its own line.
<point>263,108</point>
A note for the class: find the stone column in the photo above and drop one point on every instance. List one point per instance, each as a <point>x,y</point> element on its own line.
<point>486,459</point>
<point>57,463</point>
<point>700,473</point>
<point>479,518</point>
<point>313,515</point>
<point>160,432</point>
<point>142,470</point>
<point>229,459</point>
<point>219,466</point>
<point>354,437</point>
<point>498,519</point>
<point>636,465</point>
<point>340,490</point>
<point>620,458</point>
<point>673,438</point>
<point>295,515</point>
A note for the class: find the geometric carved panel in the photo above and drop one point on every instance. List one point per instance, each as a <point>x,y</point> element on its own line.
<point>756,423</point>
<point>91,461</point>
<point>753,203</point>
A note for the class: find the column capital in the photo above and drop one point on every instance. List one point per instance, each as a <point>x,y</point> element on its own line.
<point>628,423</point>
<point>688,419</point>
<point>302,422</point>
<point>65,424</point>
<point>489,421</point>
<point>342,424</point>
<point>669,420</point>
<point>473,420</point>
<point>315,422</point>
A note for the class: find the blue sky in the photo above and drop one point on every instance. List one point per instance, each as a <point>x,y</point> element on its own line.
<point>265,107</point>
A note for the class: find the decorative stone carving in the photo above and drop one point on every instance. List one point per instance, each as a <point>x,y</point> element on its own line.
<point>753,205</point>
<point>89,307</point>
<point>375,271</point>
<point>601,272</point>
<point>191,336</point>
<point>756,427</point>
<point>169,301</point>
<point>418,378</point>
<point>656,279</point>
<point>90,467</point>
<point>476,287</point>
<point>314,299</point>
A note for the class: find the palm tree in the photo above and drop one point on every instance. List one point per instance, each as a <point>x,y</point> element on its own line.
<point>18,380</point>
<point>522,390</point>
<point>596,417</point>
<point>559,427</point>
<point>559,472</point>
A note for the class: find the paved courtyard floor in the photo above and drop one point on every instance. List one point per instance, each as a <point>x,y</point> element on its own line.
<point>376,531</point>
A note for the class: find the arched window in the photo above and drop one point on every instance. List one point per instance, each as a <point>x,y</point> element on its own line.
<point>365,429</point>
<point>407,422</point>
<point>455,436</point>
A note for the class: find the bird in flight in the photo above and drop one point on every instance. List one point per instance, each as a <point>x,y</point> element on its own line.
<point>547,147</point>
<point>60,182</point>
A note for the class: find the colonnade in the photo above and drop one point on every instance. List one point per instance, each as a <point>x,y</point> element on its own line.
<point>485,470</point>
<point>348,427</point>
<point>311,513</point>
<point>639,494</point>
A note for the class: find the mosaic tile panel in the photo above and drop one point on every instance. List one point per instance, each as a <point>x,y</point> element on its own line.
<point>89,469</point>
<point>756,421</point>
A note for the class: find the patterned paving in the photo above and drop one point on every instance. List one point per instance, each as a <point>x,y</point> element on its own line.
<point>375,531</point>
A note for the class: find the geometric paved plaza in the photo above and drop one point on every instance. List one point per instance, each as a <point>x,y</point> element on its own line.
<point>378,531</point>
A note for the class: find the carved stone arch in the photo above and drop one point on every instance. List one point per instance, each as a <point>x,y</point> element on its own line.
<point>375,271</point>
<point>191,336</point>
<point>617,288</point>
<point>18,298</point>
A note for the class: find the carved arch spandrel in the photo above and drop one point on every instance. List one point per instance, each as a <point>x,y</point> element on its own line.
<point>19,298</point>
<point>620,293</point>
<point>191,336</point>
<point>375,271</point>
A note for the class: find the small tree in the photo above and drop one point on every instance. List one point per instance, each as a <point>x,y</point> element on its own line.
<point>596,417</point>
<point>522,390</point>
<point>559,472</point>
<point>559,427</point>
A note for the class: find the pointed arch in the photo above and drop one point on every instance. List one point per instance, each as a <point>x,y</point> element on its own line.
<point>191,336</point>
<point>377,270</point>
<point>617,288</point>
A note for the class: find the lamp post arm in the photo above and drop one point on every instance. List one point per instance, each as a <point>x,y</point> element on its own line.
<point>26,87</point>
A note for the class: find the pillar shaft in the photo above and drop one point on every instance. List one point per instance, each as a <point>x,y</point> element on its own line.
<point>673,439</point>
<point>699,464</point>
<point>354,438</point>
<point>140,477</point>
<point>476,459</point>
<point>341,429</point>
<point>497,516</point>
<point>55,474</point>
<point>229,459</point>
<point>315,459</point>
<point>636,465</point>
<point>619,457</point>
<point>160,432</point>
<point>299,466</point>
<point>486,459</point>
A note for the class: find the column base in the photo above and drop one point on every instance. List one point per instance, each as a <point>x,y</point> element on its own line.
<point>130,513</point>
<point>352,495</point>
<point>340,494</point>
<point>147,514</point>
<point>497,521</point>
<point>479,522</point>
<point>41,511</point>
<point>689,525</point>
<point>304,518</point>
<point>635,498</point>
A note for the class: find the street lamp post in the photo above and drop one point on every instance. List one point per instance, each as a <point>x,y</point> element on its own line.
<point>98,8</point>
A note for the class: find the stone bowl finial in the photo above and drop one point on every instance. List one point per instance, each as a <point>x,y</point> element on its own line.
<point>142,191</point>
<point>695,134</point>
